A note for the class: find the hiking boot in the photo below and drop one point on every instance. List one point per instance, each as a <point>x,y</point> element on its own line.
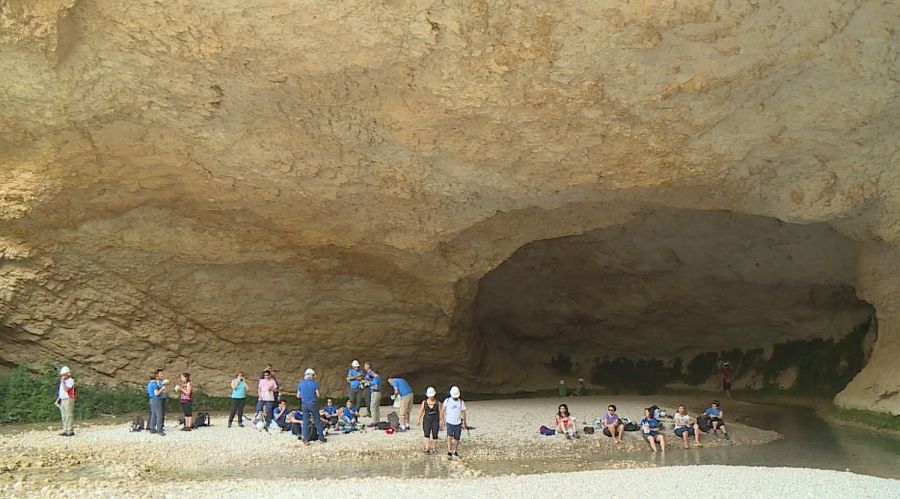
<point>727,437</point>
<point>64,434</point>
<point>152,431</point>
<point>186,428</point>
<point>455,454</point>
<point>161,433</point>
<point>241,425</point>
<point>450,455</point>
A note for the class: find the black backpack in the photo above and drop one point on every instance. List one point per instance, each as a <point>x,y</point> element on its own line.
<point>137,423</point>
<point>201,419</point>
<point>703,423</point>
<point>632,426</point>
<point>588,430</point>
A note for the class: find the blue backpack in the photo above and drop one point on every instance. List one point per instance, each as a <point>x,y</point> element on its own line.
<point>547,431</point>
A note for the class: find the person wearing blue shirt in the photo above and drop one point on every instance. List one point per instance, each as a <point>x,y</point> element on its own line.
<point>354,382</point>
<point>280,416</point>
<point>404,392</point>
<point>717,419</point>
<point>156,391</point>
<point>308,393</point>
<point>329,414</point>
<point>295,420</point>
<point>375,393</point>
<point>651,428</point>
<point>349,416</point>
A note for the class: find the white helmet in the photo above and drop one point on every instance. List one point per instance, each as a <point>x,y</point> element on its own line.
<point>430,392</point>
<point>65,370</point>
<point>454,392</point>
<point>309,373</point>
<point>355,363</point>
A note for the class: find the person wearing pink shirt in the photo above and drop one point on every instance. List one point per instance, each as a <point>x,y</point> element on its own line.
<point>267,388</point>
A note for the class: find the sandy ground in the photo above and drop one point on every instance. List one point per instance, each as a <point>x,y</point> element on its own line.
<point>117,459</point>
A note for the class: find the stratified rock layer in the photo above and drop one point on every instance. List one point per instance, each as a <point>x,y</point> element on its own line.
<point>215,185</point>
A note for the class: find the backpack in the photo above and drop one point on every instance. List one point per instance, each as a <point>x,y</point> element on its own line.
<point>382,425</point>
<point>547,431</point>
<point>631,426</point>
<point>703,423</point>
<point>394,420</point>
<point>588,430</point>
<point>201,419</point>
<point>137,423</point>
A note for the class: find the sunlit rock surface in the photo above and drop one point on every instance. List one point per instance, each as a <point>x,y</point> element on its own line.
<point>215,185</point>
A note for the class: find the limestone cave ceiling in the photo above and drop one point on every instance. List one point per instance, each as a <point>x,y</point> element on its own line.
<point>188,182</point>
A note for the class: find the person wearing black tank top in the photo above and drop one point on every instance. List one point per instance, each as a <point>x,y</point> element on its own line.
<point>430,420</point>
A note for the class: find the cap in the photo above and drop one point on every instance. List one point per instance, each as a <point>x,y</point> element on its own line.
<point>65,370</point>
<point>454,392</point>
<point>309,372</point>
<point>430,392</point>
<point>355,363</point>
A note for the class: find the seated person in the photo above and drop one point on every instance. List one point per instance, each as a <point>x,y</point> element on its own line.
<point>684,427</point>
<point>565,422</point>
<point>280,416</point>
<point>329,414</point>
<point>612,425</point>
<point>295,420</point>
<point>349,416</point>
<point>651,428</point>
<point>717,419</point>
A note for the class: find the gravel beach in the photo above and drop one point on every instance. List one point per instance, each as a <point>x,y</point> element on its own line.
<point>110,460</point>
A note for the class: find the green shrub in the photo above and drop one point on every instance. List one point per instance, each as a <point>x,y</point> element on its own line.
<point>26,396</point>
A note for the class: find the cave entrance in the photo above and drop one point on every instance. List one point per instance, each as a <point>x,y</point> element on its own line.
<point>670,295</point>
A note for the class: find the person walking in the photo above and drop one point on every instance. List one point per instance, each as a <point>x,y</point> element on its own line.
<point>404,393</point>
<point>727,378</point>
<point>238,399</point>
<point>308,393</point>
<point>453,414</point>
<point>65,400</point>
<point>375,396</point>
<point>156,391</point>
<point>266,391</point>
<point>186,391</point>
<point>430,419</point>
<point>354,380</point>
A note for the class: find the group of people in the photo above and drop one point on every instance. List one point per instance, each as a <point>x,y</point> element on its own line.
<point>651,428</point>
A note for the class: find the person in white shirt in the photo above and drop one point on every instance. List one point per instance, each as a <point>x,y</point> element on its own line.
<point>453,414</point>
<point>65,400</point>
<point>685,427</point>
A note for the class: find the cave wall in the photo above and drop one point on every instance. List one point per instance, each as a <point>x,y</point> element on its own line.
<point>213,185</point>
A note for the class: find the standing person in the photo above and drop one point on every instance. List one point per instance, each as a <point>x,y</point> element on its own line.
<point>431,419</point>
<point>365,386</point>
<point>156,391</point>
<point>684,427</point>
<point>186,390</point>
<point>404,392</point>
<point>453,414</point>
<point>651,429</point>
<point>65,400</point>
<point>354,380</point>
<point>612,425</point>
<point>727,378</point>
<point>266,390</point>
<point>581,391</point>
<point>238,399</point>
<point>717,419</point>
<point>308,393</point>
<point>375,396</point>
<point>562,389</point>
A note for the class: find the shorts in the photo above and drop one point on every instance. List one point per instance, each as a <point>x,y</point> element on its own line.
<point>431,427</point>
<point>653,434</point>
<point>726,386</point>
<point>454,431</point>
<point>680,431</point>
<point>405,405</point>
<point>716,420</point>
<point>608,432</point>
<point>186,409</point>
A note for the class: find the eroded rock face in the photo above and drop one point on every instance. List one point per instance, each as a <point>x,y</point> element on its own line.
<point>216,185</point>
